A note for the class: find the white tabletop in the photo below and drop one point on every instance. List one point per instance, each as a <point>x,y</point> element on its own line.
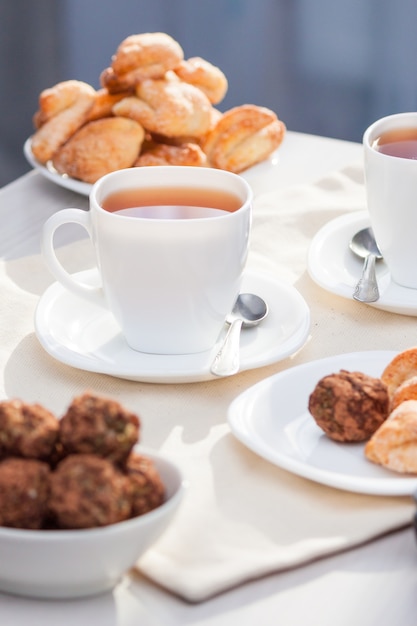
<point>373,584</point>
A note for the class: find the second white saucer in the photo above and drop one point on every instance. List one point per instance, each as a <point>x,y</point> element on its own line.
<point>335,268</point>
<point>85,336</point>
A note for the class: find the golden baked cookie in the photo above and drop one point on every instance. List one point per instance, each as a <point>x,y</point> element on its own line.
<point>63,109</point>
<point>164,154</point>
<point>100,147</point>
<point>394,444</point>
<point>142,56</point>
<point>244,136</point>
<point>168,107</point>
<point>205,76</point>
<point>402,367</point>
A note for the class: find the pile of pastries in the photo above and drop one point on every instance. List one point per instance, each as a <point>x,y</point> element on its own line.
<point>154,107</point>
<point>353,407</point>
<point>80,471</point>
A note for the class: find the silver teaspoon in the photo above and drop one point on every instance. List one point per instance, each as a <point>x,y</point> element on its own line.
<point>248,310</point>
<point>363,244</point>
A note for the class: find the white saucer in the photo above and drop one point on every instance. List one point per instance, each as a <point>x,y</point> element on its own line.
<point>334,267</point>
<point>266,169</point>
<point>87,337</point>
<point>272,419</point>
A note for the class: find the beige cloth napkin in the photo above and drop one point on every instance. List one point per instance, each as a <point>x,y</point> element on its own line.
<point>242,517</point>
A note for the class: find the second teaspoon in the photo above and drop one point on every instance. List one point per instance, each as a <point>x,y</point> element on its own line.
<point>249,310</point>
<point>363,244</point>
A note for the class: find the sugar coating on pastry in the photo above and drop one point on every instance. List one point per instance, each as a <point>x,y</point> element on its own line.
<point>400,368</point>
<point>60,97</point>
<point>244,136</point>
<point>406,391</point>
<point>180,140</point>
<point>142,56</point>
<point>156,53</point>
<point>63,109</point>
<point>117,83</point>
<point>104,102</point>
<point>168,107</point>
<point>205,76</point>
<point>394,444</point>
<point>100,147</point>
<point>189,154</point>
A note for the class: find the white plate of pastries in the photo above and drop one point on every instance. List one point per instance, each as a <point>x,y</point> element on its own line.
<point>347,421</point>
<point>153,107</point>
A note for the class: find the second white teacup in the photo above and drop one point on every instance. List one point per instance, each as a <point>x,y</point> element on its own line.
<point>171,268</point>
<point>390,149</point>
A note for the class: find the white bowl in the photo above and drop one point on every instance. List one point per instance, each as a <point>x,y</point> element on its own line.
<point>76,563</point>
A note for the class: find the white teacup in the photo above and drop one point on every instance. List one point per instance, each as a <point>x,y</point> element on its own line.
<point>169,281</point>
<point>390,150</point>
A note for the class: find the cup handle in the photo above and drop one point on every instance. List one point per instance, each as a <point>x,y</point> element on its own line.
<point>66,216</point>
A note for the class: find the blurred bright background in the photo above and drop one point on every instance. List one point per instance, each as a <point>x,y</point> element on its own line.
<point>327,67</point>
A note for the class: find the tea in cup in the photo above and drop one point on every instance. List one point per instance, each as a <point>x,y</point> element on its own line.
<point>171,244</point>
<point>390,151</point>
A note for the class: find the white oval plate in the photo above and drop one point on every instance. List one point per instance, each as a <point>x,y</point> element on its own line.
<point>334,267</point>
<point>49,172</point>
<point>86,336</point>
<point>266,169</point>
<point>272,419</point>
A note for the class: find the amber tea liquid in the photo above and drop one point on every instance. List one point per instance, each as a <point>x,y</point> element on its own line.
<point>171,202</point>
<point>399,142</point>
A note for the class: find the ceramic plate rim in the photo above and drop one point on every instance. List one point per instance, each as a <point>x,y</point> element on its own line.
<point>241,419</point>
<point>63,181</point>
<point>263,282</point>
<point>85,188</point>
<point>393,297</point>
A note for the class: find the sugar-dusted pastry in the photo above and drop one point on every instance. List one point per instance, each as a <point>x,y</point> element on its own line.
<point>100,147</point>
<point>205,76</point>
<point>349,406</point>
<point>402,367</point>
<point>115,83</point>
<point>60,97</point>
<point>142,56</point>
<point>406,391</point>
<point>179,140</point>
<point>63,109</point>
<point>394,444</point>
<point>104,102</point>
<point>168,107</point>
<point>164,154</point>
<point>244,136</point>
